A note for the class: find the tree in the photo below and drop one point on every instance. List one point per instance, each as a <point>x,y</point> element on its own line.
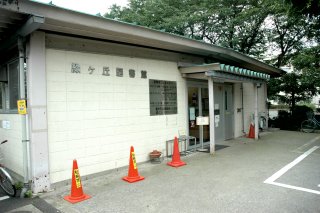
<point>234,24</point>
<point>302,84</point>
<point>291,88</point>
<point>288,32</point>
<point>247,26</point>
<point>308,62</point>
<point>308,7</point>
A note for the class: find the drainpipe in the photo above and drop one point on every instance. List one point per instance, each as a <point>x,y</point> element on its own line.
<point>24,119</point>
<point>256,111</point>
<point>242,111</point>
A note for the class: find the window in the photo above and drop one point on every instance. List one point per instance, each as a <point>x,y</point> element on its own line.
<point>13,74</point>
<point>1,96</point>
<point>9,86</point>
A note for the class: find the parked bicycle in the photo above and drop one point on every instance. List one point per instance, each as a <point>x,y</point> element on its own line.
<point>6,181</point>
<point>262,122</point>
<point>310,124</point>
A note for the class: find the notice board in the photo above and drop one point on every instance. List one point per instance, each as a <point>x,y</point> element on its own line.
<point>163,97</point>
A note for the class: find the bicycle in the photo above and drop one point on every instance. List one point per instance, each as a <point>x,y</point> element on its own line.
<point>262,122</point>
<point>310,124</point>
<point>6,181</point>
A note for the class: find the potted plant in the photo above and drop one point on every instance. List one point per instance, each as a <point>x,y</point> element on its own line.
<point>155,155</point>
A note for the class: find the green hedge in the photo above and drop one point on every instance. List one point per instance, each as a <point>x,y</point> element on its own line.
<point>290,120</point>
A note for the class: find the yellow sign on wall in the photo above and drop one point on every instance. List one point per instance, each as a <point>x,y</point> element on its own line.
<point>22,107</point>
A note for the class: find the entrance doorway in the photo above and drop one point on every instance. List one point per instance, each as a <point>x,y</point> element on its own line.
<point>198,105</point>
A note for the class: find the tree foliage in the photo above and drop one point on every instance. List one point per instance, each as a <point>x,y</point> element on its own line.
<point>287,29</point>
<point>294,87</point>
<point>234,24</point>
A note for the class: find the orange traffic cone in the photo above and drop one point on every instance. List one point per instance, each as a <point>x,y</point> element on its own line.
<point>77,194</point>
<point>176,161</point>
<point>251,131</point>
<point>133,174</point>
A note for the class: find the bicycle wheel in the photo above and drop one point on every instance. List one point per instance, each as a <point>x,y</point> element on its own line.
<point>6,183</point>
<point>262,122</point>
<point>308,126</point>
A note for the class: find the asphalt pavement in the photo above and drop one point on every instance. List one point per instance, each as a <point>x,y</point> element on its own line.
<point>278,173</point>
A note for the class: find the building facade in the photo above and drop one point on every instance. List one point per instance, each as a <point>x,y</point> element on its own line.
<point>94,87</point>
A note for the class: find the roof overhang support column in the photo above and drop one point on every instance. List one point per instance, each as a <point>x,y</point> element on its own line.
<point>37,109</point>
<point>211,115</point>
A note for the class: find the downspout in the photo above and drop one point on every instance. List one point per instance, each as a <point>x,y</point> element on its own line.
<point>242,111</point>
<point>256,111</point>
<point>24,118</point>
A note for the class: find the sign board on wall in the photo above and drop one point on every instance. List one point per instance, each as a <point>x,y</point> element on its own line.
<point>22,107</point>
<point>202,120</point>
<point>5,124</point>
<point>163,97</point>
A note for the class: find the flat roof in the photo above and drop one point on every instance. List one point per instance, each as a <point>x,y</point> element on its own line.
<point>69,22</point>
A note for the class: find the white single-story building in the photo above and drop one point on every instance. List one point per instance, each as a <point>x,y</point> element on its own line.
<point>94,87</point>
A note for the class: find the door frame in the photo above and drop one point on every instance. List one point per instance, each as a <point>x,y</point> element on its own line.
<point>204,84</point>
<point>200,85</point>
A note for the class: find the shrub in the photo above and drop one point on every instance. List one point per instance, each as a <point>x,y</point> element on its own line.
<point>290,121</point>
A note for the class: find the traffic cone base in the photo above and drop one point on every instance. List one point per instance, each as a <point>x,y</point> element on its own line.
<point>176,161</point>
<point>133,179</point>
<point>76,194</point>
<point>251,132</point>
<point>133,174</point>
<point>176,164</point>
<point>76,199</point>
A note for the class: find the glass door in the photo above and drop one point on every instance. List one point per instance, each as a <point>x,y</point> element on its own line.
<point>205,113</point>
<point>193,109</point>
<point>198,105</point>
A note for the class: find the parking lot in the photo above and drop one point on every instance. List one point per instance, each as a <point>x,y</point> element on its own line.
<point>300,174</point>
<point>278,173</point>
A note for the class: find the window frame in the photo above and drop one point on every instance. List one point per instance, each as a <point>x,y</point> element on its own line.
<point>5,91</point>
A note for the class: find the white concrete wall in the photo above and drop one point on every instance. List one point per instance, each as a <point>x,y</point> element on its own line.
<point>95,118</point>
<point>12,150</point>
<point>249,102</point>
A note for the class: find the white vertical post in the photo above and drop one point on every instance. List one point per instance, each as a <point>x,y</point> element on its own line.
<point>200,114</point>
<point>186,101</point>
<point>37,105</point>
<point>211,115</point>
<point>256,116</point>
<point>266,104</point>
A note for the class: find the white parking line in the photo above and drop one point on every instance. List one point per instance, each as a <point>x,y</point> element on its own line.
<point>275,176</point>
<point>309,143</point>
<point>279,173</point>
<point>4,197</point>
<point>296,188</point>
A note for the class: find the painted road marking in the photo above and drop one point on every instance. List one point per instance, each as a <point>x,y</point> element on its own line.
<point>279,173</point>
<point>296,188</point>
<point>308,144</point>
<point>4,197</point>
<point>275,176</point>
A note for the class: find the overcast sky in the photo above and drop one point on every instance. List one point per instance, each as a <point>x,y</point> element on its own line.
<point>87,6</point>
